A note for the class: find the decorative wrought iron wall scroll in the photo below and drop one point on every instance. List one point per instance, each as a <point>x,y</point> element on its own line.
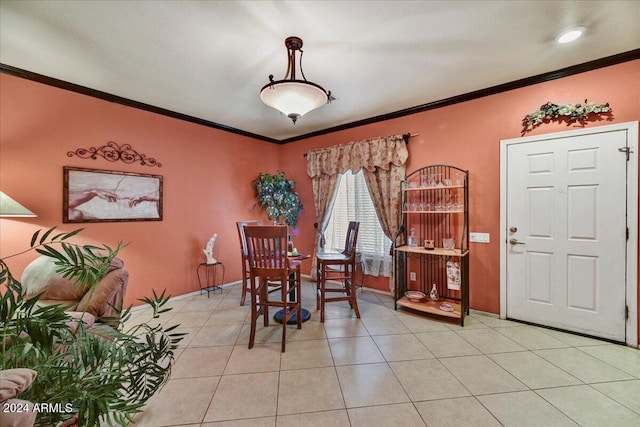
<point>114,152</point>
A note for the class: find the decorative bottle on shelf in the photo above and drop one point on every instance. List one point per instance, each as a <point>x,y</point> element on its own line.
<point>433,295</point>
<point>413,239</point>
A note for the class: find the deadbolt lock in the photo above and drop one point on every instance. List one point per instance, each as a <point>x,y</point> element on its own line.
<point>513,229</point>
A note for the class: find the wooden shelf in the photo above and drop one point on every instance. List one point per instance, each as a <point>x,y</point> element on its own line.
<point>428,306</point>
<point>444,187</point>
<point>437,251</point>
<point>433,212</point>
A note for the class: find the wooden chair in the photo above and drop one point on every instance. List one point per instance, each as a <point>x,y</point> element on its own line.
<point>338,267</point>
<point>268,263</point>
<point>272,287</point>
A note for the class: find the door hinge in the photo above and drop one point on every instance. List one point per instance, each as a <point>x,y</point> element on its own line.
<point>626,312</point>
<point>627,233</point>
<point>626,150</point>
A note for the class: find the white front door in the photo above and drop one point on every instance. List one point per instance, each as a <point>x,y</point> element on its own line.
<point>566,232</point>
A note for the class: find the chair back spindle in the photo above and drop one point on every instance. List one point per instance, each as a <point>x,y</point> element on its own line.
<point>351,239</point>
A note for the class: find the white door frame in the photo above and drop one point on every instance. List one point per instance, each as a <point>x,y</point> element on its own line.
<point>632,217</point>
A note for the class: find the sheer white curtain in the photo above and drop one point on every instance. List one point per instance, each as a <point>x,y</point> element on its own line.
<point>353,203</point>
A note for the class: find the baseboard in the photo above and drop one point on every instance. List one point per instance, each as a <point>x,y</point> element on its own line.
<point>484,313</point>
<point>237,282</point>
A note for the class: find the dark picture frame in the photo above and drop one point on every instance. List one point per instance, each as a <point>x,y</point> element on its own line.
<point>93,195</point>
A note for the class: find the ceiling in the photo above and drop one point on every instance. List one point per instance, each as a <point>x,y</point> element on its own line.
<point>209,59</point>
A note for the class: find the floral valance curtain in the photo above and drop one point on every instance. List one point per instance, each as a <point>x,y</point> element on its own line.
<point>368,154</point>
<point>383,161</point>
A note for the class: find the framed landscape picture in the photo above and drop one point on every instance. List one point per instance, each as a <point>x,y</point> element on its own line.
<point>92,195</point>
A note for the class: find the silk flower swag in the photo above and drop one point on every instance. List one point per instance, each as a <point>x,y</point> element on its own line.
<point>570,112</point>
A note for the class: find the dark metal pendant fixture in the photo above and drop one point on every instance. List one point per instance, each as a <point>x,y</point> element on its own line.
<point>293,97</point>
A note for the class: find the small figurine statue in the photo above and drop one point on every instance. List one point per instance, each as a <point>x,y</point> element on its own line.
<point>208,251</point>
<point>433,295</point>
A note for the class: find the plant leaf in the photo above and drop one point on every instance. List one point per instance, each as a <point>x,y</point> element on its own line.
<point>45,235</point>
<point>72,233</point>
<point>34,238</point>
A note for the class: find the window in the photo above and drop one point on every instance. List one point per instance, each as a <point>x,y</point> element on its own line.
<point>353,203</point>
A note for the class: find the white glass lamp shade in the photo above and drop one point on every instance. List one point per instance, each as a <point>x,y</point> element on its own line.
<point>294,98</point>
<point>10,208</point>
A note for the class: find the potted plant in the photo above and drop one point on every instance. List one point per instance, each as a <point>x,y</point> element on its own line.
<point>97,378</point>
<point>276,195</point>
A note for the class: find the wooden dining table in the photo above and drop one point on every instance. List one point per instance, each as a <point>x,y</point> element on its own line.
<point>306,314</point>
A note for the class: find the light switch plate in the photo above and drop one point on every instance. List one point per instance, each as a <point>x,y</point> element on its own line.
<point>479,237</point>
<point>412,276</point>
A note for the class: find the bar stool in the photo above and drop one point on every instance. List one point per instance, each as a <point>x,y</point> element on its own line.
<point>246,285</point>
<point>338,267</point>
<point>268,263</point>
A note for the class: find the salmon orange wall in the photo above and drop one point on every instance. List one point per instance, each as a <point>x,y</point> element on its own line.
<point>207,177</point>
<point>208,173</point>
<point>468,135</point>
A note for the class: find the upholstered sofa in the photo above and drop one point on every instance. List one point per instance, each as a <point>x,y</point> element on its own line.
<point>98,310</point>
<point>16,412</point>
<point>103,303</point>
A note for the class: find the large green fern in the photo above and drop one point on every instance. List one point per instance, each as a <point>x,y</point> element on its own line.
<point>102,377</point>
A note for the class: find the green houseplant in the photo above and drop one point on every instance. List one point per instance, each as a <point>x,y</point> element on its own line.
<point>276,195</point>
<point>102,378</point>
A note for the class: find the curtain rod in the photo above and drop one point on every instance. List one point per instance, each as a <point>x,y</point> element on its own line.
<point>406,137</point>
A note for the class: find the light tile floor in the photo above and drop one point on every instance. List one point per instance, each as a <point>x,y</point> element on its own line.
<point>389,368</point>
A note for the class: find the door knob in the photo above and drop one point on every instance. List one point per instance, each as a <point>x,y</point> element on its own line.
<point>515,242</point>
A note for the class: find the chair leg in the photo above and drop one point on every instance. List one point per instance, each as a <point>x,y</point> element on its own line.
<point>353,301</point>
<point>264,296</point>
<point>318,278</point>
<point>323,284</point>
<point>348,281</point>
<point>254,318</point>
<point>245,284</point>
<point>284,329</point>
<point>284,281</point>
<point>354,304</point>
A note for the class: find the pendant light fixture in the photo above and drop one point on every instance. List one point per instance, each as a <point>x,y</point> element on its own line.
<point>293,97</point>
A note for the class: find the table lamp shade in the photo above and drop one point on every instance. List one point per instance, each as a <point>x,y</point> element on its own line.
<point>10,208</point>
